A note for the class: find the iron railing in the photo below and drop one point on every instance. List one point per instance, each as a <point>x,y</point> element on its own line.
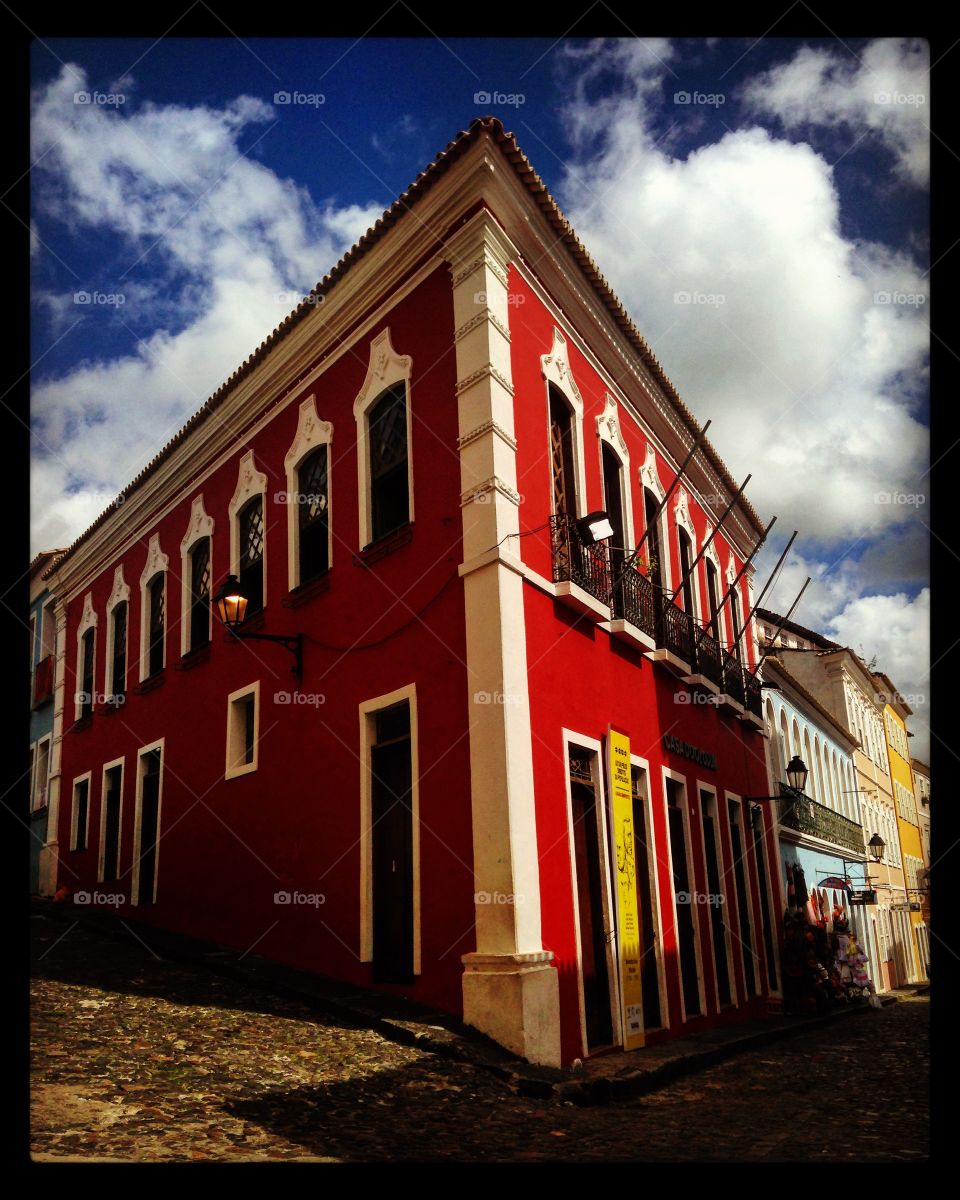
<point>575,562</point>
<point>804,815</point>
<point>733,678</point>
<point>633,601</point>
<point>709,660</point>
<point>753,694</point>
<point>675,632</point>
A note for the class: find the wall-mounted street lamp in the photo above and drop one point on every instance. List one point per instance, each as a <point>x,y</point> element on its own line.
<point>231,603</point>
<point>594,527</point>
<point>877,845</point>
<point>796,781</point>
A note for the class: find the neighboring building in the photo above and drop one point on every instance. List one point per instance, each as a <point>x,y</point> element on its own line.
<point>921,783</point>
<point>43,644</point>
<point>398,474</point>
<point>824,833</point>
<point>850,691</point>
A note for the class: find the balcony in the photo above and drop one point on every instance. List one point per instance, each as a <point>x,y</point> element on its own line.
<point>754,697</point>
<point>807,816</point>
<point>581,573</point>
<point>633,606</point>
<point>43,681</point>
<point>708,665</point>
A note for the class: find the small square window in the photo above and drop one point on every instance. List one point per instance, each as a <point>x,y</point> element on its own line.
<point>243,719</point>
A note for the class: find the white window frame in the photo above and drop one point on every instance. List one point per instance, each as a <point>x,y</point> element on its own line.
<point>201,526</point>
<point>595,748</point>
<point>653,874</point>
<point>683,520</point>
<point>231,770</point>
<point>386,369</point>
<point>117,762</point>
<point>711,790</point>
<point>46,740</point>
<point>649,478</point>
<point>668,773</point>
<point>88,620</point>
<point>367,711</point>
<point>609,434</point>
<point>312,433</point>
<point>251,482</point>
<point>119,595</point>
<point>138,804</point>
<point>557,372</point>
<point>87,778</point>
<point>157,563</point>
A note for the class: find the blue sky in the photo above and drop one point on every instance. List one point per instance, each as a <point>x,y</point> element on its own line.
<point>787,196</point>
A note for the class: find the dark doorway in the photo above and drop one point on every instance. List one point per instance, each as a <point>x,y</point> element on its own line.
<point>561,456</point>
<point>686,934</point>
<point>647,901</point>
<point>768,946</point>
<point>593,933</point>
<point>392,816</point>
<point>149,825</point>
<point>613,502</point>
<point>657,568</point>
<point>718,927</point>
<point>746,936</point>
<point>111,819</point>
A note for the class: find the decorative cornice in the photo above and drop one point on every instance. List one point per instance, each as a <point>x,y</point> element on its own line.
<point>156,560</point>
<point>385,368</point>
<point>199,525</point>
<point>485,259</point>
<point>488,371</point>
<point>556,369</point>
<point>121,589</point>
<point>487,427</point>
<point>479,493</point>
<point>485,314</point>
<point>311,432</point>
<point>608,427</point>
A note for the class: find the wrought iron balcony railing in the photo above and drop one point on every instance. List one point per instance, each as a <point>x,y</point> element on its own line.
<point>574,562</point>
<point>675,632</point>
<point>732,684</point>
<point>708,655</point>
<point>807,816</point>
<point>753,694</point>
<point>633,601</point>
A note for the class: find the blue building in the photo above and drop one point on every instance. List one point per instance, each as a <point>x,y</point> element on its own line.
<point>43,657</point>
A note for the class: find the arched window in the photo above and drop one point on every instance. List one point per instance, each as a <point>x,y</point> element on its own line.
<point>562,460</point>
<point>200,593</point>
<point>735,623</point>
<point>251,536</point>
<point>686,558</point>
<point>313,518</point>
<point>713,600</point>
<point>389,479</point>
<point>118,657</point>
<point>86,673</point>
<point>156,625</point>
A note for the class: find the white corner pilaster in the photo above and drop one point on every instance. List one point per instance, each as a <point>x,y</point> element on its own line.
<point>510,988</point>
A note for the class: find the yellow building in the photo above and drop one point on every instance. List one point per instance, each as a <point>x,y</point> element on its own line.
<point>905,912</point>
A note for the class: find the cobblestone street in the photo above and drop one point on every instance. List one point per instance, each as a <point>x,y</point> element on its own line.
<point>140,1059</point>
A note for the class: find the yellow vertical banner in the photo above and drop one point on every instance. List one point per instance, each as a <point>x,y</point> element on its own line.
<point>628,918</point>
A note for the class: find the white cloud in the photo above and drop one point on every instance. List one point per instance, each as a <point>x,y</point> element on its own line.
<point>885,93</point>
<point>214,250</point>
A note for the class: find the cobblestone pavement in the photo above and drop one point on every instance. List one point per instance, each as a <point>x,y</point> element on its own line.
<point>137,1058</point>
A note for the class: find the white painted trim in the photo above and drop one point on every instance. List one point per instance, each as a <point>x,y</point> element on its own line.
<point>649,476</point>
<point>157,563</point>
<point>135,875</point>
<point>86,777</point>
<point>311,434</point>
<point>251,483</point>
<point>677,777</point>
<point>200,526</point>
<point>101,856</point>
<point>594,747</point>
<point>119,595</point>
<point>367,711</point>
<point>88,620</point>
<point>711,789</point>
<point>683,520</point>
<point>231,772</point>
<point>653,875</point>
<point>745,858</point>
<point>609,433</point>
<point>386,368</point>
<point>35,762</point>
<point>556,370</point>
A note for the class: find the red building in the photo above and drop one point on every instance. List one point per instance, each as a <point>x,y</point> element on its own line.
<point>395,475</point>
